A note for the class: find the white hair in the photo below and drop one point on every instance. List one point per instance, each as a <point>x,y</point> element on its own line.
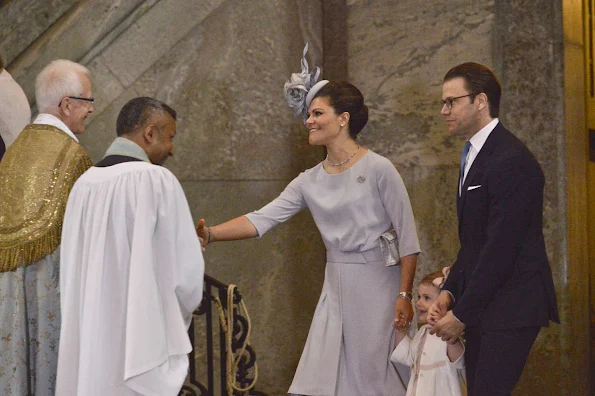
<point>58,79</point>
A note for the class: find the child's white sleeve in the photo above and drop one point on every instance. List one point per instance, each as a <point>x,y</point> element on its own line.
<point>404,353</point>
<point>460,362</point>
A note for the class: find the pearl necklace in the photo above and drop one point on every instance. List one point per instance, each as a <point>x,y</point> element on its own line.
<point>342,162</point>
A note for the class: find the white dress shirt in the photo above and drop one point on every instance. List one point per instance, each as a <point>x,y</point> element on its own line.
<point>477,142</point>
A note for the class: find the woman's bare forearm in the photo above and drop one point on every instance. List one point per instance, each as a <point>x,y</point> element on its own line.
<point>408,264</point>
<point>233,230</point>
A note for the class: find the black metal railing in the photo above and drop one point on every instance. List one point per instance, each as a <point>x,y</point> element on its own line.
<point>209,356</point>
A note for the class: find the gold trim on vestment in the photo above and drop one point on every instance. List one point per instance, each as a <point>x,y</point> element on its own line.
<point>37,173</point>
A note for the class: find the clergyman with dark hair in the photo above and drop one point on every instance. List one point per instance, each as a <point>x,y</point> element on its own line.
<point>132,266</point>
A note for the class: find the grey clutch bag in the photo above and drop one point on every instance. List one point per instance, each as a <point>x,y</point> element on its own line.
<point>389,245</point>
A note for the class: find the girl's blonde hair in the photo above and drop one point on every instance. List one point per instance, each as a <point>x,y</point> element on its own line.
<point>436,278</point>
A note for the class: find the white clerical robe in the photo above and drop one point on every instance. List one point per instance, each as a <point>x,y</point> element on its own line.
<point>131,276</point>
<point>15,112</point>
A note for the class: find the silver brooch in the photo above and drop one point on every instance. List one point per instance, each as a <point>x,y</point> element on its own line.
<point>361,179</point>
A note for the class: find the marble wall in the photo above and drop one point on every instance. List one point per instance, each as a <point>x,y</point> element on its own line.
<point>222,64</point>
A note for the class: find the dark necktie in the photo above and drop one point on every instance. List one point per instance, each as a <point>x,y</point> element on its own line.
<point>463,163</point>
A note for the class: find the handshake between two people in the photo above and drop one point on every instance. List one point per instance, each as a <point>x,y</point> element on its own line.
<point>203,234</point>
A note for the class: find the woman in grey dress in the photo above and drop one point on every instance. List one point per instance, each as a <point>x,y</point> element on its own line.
<point>354,195</point>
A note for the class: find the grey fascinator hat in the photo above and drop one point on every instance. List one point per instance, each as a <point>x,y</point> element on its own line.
<point>302,87</point>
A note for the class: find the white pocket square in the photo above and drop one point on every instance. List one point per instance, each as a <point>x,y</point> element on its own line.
<point>473,187</point>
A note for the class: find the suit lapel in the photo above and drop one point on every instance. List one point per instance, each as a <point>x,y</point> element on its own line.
<point>478,163</point>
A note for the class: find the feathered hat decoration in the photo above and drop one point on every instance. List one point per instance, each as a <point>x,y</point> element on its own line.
<point>302,87</point>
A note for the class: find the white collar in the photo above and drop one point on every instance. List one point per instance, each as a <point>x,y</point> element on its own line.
<point>124,146</point>
<point>479,139</point>
<point>50,119</point>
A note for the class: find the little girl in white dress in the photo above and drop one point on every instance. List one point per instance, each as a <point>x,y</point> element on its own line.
<point>437,368</point>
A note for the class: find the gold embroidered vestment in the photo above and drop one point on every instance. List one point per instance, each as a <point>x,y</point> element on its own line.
<point>36,175</point>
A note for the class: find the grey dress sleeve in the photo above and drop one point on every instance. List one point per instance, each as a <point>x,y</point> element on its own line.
<point>396,202</point>
<point>282,208</point>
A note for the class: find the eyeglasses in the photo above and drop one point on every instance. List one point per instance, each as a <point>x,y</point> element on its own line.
<point>449,102</point>
<point>90,100</point>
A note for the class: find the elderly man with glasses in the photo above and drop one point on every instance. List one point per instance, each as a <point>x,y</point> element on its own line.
<point>36,175</point>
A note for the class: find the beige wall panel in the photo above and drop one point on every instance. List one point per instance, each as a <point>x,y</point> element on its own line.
<point>23,21</point>
<point>398,54</point>
<point>531,57</point>
<point>84,29</point>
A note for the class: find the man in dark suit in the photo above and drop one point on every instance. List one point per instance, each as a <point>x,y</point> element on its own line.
<point>500,290</point>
